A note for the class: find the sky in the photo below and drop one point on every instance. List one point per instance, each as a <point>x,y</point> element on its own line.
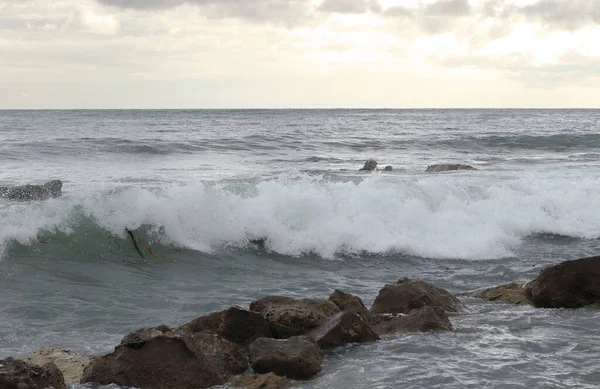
<point>299,53</point>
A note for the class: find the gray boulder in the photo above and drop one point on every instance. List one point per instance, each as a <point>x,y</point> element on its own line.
<point>298,357</point>
<point>343,328</point>
<point>424,319</point>
<point>369,165</point>
<point>348,302</point>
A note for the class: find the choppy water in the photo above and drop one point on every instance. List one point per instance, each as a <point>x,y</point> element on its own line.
<point>198,185</point>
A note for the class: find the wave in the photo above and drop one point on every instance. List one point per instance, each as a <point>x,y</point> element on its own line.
<point>467,216</point>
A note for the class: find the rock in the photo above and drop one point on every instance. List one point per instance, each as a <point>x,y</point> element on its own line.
<point>511,293</point>
<point>290,317</point>
<point>347,302</point>
<point>369,165</point>
<point>70,364</point>
<point>446,167</point>
<point>388,168</point>
<point>17,374</point>
<point>160,358</point>
<point>32,192</point>
<point>261,381</point>
<point>569,284</point>
<point>406,295</point>
<point>424,319</point>
<point>235,324</point>
<point>298,357</point>
<point>343,328</point>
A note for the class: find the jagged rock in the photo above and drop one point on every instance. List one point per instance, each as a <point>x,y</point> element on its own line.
<point>406,295</point>
<point>446,167</point>
<point>511,293</point>
<point>69,363</point>
<point>570,284</point>
<point>289,317</point>
<point>235,324</point>
<point>17,374</point>
<point>369,165</point>
<point>32,192</point>
<point>348,302</point>
<point>343,328</point>
<point>424,319</point>
<point>261,381</point>
<point>160,358</point>
<point>298,357</point>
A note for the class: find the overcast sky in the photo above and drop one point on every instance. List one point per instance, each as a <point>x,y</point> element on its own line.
<point>299,53</point>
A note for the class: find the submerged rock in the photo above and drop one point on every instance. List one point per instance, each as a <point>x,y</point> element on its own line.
<point>160,358</point>
<point>348,302</point>
<point>290,317</point>
<point>261,381</point>
<point>69,363</point>
<point>388,168</point>
<point>424,319</point>
<point>369,165</point>
<point>406,295</point>
<point>513,293</point>
<point>343,328</point>
<point>17,374</point>
<point>570,284</point>
<point>32,192</point>
<point>446,167</point>
<point>235,324</point>
<point>297,357</point>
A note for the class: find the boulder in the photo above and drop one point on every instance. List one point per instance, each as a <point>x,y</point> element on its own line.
<point>290,317</point>
<point>235,324</point>
<point>69,363</point>
<point>446,167</point>
<point>513,293</point>
<point>343,328</point>
<point>388,168</point>
<point>406,295</point>
<point>32,192</point>
<point>569,284</point>
<point>369,165</point>
<point>17,374</point>
<point>298,357</point>
<point>160,358</point>
<point>261,381</point>
<point>348,302</point>
<point>424,319</point>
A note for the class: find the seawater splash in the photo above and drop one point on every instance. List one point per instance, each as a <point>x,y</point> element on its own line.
<point>466,216</point>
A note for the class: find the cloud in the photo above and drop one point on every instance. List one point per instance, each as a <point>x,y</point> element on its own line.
<point>350,6</point>
<point>564,14</point>
<point>449,8</point>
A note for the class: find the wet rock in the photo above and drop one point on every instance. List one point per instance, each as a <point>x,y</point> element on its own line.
<point>261,381</point>
<point>569,284</point>
<point>511,293</point>
<point>348,302</point>
<point>446,167</point>
<point>369,165</point>
<point>298,357</point>
<point>235,324</point>
<point>32,192</point>
<point>424,319</point>
<point>69,363</point>
<point>343,328</point>
<point>160,358</point>
<point>290,317</point>
<point>406,295</point>
<point>17,374</point>
<point>388,168</point>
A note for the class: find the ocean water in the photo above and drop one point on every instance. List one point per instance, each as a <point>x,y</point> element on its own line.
<point>198,186</point>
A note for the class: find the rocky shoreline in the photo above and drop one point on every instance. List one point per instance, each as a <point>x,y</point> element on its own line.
<point>280,339</point>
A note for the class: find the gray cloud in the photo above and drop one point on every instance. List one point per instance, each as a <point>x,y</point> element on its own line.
<point>344,6</point>
<point>569,15</point>
<point>447,8</point>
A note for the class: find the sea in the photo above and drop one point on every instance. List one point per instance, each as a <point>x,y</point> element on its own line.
<point>228,206</point>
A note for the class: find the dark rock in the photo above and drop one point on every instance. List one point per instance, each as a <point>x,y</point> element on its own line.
<point>347,302</point>
<point>69,363</point>
<point>512,293</point>
<point>369,165</point>
<point>261,381</point>
<point>406,295</point>
<point>160,358</point>
<point>298,357</point>
<point>446,167</point>
<point>424,319</point>
<point>17,374</point>
<point>569,284</point>
<point>343,328</point>
<point>235,324</point>
<point>289,317</point>
<point>388,168</point>
<point>32,192</point>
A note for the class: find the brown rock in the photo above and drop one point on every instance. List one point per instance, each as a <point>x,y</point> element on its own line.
<point>446,167</point>
<point>343,328</point>
<point>349,302</point>
<point>569,284</point>
<point>235,324</point>
<point>261,381</point>
<point>160,358</point>
<point>511,293</point>
<point>406,295</point>
<point>290,317</point>
<point>17,374</point>
<point>424,319</point>
<point>69,363</point>
<point>297,357</point>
